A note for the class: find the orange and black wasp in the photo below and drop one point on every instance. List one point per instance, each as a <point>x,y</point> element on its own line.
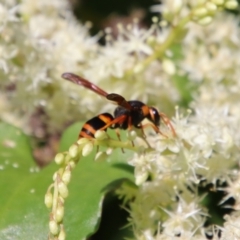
<point>127,113</point>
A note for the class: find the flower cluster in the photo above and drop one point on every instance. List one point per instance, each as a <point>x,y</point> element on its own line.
<point>168,172</point>
<point>58,191</point>
<point>205,149</point>
<point>38,41</point>
<point>42,40</point>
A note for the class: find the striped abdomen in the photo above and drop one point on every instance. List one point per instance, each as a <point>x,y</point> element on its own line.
<point>91,126</point>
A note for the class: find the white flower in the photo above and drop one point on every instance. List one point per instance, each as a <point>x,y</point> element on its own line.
<point>170,6</point>
<point>134,38</point>
<point>30,8</point>
<point>163,143</point>
<point>232,190</point>
<point>231,229</point>
<point>169,66</point>
<point>142,165</point>
<point>112,61</point>
<point>8,14</point>
<point>186,217</point>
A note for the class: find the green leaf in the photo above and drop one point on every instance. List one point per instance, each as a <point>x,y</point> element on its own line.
<point>91,181</point>
<point>113,226</point>
<point>23,214</point>
<point>22,211</point>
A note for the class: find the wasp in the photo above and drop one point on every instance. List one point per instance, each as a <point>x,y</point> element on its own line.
<point>126,115</point>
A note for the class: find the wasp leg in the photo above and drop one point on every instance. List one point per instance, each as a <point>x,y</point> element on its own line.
<point>168,123</point>
<point>156,129</point>
<point>119,120</point>
<point>130,127</point>
<point>119,137</point>
<point>141,126</point>
<point>97,149</point>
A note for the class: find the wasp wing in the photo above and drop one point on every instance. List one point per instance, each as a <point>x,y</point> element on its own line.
<point>113,97</point>
<point>119,100</point>
<point>83,82</point>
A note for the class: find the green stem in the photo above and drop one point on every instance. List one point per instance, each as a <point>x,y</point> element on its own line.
<point>55,195</point>
<point>116,144</point>
<point>161,49</point>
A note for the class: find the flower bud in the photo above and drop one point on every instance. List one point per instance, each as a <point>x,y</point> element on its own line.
<point>62,189</point>
<point>87,149</point>
<point>168,66</point>
<point>54,176</point>
<point>199,12</point>
<point>73,150</point>
<point>211,7</point>
<point>176,6</point>
<point>163,23</point>
<point>155,19</point>
<point>232,4</point>
<point>48,199</point>
<point>100,135</point>
<point>61,200</point>
<point>141,178</point>
<point>151,40</point>
<point>59,172</point>
<point>82,141</point>
<point>101,156</point>
<point>59,213</point>
<point>205,20</point>
<point>217,2</point>
<point>66,177</point>
<point>62,234</point>
<point>131,135</point>
<point>72,164</point>
<point>109,151</point>
<point>138,68</point>
<point>53,227</point>
<point>59,158</point>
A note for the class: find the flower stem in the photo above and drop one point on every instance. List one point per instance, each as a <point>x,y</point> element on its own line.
<point>161,49</point>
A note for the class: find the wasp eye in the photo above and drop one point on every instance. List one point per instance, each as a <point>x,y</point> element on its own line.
<point>154,116</point>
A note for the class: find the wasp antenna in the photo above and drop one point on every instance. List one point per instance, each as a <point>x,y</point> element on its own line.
<point>66,75</point>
